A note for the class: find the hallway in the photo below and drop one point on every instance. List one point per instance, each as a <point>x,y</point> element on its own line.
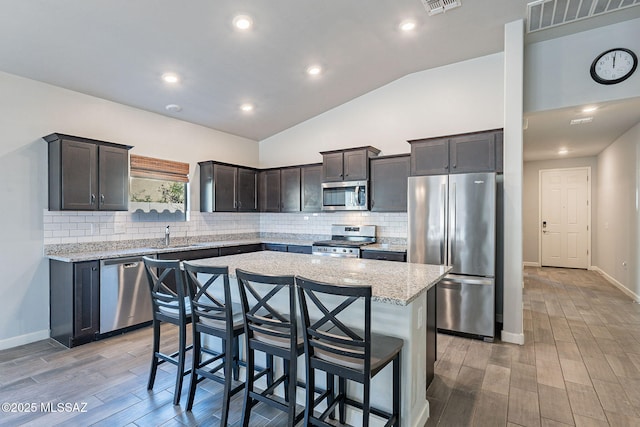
<point>580,364</point>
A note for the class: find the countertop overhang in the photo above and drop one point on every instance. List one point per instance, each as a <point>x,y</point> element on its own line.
<point>397,283</point>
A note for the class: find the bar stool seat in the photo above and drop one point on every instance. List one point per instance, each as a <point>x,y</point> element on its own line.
<point>383,350</point>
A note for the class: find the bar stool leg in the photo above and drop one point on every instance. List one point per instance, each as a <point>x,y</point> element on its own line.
<point>197,358</point>
<point>270,369</point>
<point>342,408</point>
<point>309,400</point>
<point>248,386</point>
<point>228,368</point>
<point>236,359</point>
<point>154,360</point>
<point>290,384</point>
<point>331,388</point>
<point>366,403</point>
<point>396,389</point>
<point>181,357</point>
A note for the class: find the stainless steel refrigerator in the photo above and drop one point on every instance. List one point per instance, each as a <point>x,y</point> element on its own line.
<point>452,221</point>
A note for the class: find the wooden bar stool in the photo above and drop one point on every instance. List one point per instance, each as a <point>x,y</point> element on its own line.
<point>169,306</point>
<point>273,331</point>
<point>348,352</point>
<point>214,315</point>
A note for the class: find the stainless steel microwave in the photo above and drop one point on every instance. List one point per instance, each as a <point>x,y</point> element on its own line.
<point>345,196</point>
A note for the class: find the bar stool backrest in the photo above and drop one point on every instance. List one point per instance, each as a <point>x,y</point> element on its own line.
<point>265,320</point>
<point>168,304</point>
<point>328,340</point>
<point>206,305</point>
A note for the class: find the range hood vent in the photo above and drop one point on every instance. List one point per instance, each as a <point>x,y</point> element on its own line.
<point>543,14</point>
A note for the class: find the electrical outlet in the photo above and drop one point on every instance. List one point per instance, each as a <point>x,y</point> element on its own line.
<point>420,316</point>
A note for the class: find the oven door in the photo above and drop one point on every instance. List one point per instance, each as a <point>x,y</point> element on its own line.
<point>345,196</point>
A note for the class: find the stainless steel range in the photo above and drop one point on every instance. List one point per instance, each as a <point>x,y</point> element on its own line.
<point>346,241</point>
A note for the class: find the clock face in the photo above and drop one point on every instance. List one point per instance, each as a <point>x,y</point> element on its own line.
<point>614,66</point>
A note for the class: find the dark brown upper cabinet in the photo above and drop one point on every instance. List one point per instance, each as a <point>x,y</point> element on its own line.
<point>347,165</point>
<point>311,188</point>
<point>389,176</point>
<point>227,188</point>
<point>290,189</point>
<point>269,195</point>
<point>87,174</point>
<point>472,152</point>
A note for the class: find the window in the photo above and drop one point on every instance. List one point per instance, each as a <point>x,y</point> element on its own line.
<point>158,185</point>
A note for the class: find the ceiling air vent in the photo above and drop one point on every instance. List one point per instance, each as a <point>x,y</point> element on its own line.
<point>543,14</point>
<point>435,7</point>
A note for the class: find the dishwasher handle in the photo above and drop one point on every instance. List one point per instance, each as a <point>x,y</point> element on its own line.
<point>128,262</point>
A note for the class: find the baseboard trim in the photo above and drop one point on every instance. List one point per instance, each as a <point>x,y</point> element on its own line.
<point>614,282</point>
<point>512,338</point>
<point>24,339</point>
<point>530,264</point>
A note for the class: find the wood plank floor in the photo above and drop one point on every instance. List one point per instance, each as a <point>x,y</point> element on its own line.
<point>580,365</point>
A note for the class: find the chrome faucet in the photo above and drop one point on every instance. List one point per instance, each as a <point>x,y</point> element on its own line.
<point>167,236</point>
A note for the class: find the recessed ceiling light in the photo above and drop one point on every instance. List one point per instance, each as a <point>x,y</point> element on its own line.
<point>408,25</point>
<point>563,151</point>
<point>314,70</point>
<point>242,22</point>
<point>589,109</point>
<point>173,108</point>
<point>170,78</point>
<point>246,107</point>
<point>582,121</point>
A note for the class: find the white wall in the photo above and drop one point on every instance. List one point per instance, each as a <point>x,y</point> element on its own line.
<point>618,218</point>
<point>557,71</point>
<point>462,97</point>
<point>30,110</point>
<point>531,200</point>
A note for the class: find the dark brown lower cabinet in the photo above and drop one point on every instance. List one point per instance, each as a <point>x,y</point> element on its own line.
<point>384,255</point>
<point>74,299</point>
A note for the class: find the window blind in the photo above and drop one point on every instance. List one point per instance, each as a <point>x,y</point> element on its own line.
<point>149,167</point>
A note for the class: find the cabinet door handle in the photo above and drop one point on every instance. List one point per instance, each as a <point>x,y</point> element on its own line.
<point>102,199</point>
<point>93,199</point>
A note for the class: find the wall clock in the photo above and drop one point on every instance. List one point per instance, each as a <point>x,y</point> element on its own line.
<point>614,66</point>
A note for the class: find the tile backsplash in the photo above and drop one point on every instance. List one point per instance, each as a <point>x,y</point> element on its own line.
<point>63,227</point>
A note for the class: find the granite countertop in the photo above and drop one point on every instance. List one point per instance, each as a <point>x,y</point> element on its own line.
<point>396,283</point>
<point>110,253</point>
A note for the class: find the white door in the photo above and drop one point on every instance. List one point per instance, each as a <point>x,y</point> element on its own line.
<point>564,217</point>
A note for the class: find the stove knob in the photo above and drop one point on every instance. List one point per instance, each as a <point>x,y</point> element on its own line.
<point>344,250</point>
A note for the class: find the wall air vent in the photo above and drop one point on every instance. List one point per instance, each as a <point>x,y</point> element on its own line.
<point>543,14</point>
<point>435,7</point>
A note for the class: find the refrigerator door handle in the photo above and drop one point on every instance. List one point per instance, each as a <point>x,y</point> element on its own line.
<point>452,223</point>
<point>443,221</point>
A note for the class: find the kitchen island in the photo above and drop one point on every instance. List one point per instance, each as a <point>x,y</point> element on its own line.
<point>399,308</point>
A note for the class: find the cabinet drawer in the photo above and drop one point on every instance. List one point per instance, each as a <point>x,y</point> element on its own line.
<point>241,249</point>
<point>278,247</point>
<point>299,249</point>
<point>385,255</point>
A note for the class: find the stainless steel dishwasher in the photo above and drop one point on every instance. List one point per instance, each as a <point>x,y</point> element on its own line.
<point>124,294</point>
